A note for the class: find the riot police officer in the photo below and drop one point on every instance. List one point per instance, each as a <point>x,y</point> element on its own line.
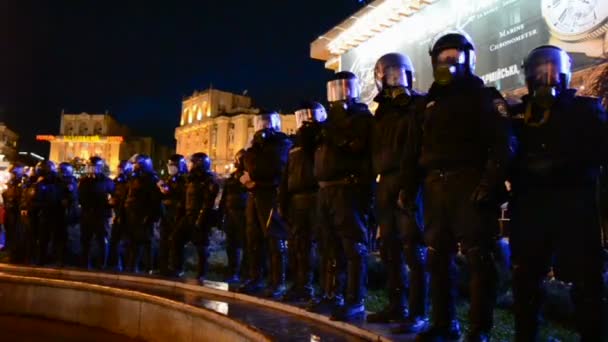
<point>95,190</point>
<point>232,207</point>
<point>71,216</point>
<point>562,144</point>
<point>142,209</point>
<point>174,192</point>
<point>265,163</point>
<point>202,188</point>
<point>117,201</point>
<point>400,235</point>
<point>44,212</point>
<point>298,196</point>
<point>458,153</point>
<point>342,167</point>
<point>11,199</point>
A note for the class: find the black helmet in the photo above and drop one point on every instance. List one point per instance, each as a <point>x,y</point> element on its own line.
<point>452,55</point>
<point>394,70</point>
<point>178,162</point>
<point>239,157</point>
<point>125,167</point>
<point>66,169</point>
<point>343,86</point>
<point>95,165</point>
<point>142,163</point>
<point>200,162</point>
<point>266,118</point>
<point>548,65</point>
<point>45,168</point>
<point>17,169</point>
<point>310,112</point>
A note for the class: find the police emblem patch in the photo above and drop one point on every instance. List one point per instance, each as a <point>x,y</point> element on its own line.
<point>501,107</point>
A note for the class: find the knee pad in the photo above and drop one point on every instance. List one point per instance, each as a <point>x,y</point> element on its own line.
<point>436,260</point>
<point>355,250</point>
<point>479,259</point>
<point>414,255</point>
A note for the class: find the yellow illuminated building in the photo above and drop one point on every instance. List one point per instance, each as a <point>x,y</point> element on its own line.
<point>85,135</point>
<point>220,124</point>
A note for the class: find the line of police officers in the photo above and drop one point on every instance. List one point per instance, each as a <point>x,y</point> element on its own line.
<point>433,166</point>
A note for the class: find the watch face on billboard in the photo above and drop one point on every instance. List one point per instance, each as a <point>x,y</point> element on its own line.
<point>573,20</point>
<point>503,32</point>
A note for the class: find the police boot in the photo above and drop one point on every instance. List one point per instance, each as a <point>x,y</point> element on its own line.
<point>417,320</point>
<point>330,298</point>
<point>527,299</point>
<point>394,311</point>
<point>277,272</point>
<point>440,334</point>
<point>234,265</point>
<point>478,337</point>
<point>201,267</point>
<point>254,284</point>
<point>482,291</point>
<point>354,305</point>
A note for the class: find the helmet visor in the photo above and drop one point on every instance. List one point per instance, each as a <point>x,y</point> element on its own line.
<point>392,76</point>
<point>451,56</point>
<point>267,121</point>
<point>343,89</point>
<point>545,66</point>
<point>310,115</point>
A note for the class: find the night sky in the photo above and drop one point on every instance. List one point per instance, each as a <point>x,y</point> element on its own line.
<point>138,59</point>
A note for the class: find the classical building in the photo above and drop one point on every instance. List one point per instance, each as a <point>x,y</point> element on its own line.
<point>8,143</point>
<point>503,32</point>
<point>220,124</point>
<point>85,135</point>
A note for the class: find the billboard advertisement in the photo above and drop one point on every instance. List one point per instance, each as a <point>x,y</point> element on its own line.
<point>503,32</point>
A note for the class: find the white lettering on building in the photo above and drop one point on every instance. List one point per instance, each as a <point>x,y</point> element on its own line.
<point>501,73</point>
<point>523,36</point>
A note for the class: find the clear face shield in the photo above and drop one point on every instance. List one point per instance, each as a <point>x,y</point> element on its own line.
<point>270,121</point>
<point>343,89</point>
<point>391,76</point>
<point>172,168</point>
<point>547,73</point>
<point>310,115</point>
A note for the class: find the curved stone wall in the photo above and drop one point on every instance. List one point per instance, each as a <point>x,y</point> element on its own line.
<point>123,312</point>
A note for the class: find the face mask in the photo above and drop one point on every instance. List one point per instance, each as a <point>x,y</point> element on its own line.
<point>172,169</point>
<point>338,110</point>
<point>445,74</point>
<point>544,96</point>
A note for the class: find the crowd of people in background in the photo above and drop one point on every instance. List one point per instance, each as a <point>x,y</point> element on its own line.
<point>428,170</point>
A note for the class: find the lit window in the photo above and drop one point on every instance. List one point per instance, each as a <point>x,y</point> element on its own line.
<point>189,117</point>
<point>199,114</point>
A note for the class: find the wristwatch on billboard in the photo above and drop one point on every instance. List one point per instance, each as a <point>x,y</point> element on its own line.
<point>578,25</point>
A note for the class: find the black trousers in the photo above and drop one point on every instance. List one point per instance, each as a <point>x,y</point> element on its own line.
<point>451,217</point>
<point>342,213</point>
<point>557,227</point>
<point>12,238</point>
<point>93,228</point>
<point>236,237</point>
<point>401,243</point>
<point>186,231</point>
<point>138,236</point>
<point>265,230</point>
<point>303,222</point>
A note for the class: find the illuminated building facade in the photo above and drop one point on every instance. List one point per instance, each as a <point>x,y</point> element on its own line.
<point>85,135</point>
<point>8,143</point>
<point>220,124</point>
<point>503,31</point>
